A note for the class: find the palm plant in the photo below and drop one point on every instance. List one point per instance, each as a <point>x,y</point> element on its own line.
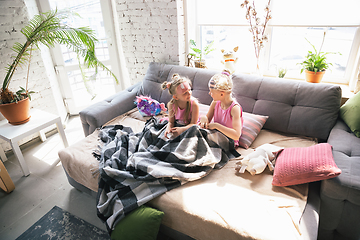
<point>49,29</point>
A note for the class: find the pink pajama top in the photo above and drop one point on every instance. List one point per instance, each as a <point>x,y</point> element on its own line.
<point>224,116</point>
<point>179,115</point>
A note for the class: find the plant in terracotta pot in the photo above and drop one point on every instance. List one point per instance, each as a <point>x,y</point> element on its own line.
<point>198,53</point>
<point>315,63</point>
<point>47,29</point>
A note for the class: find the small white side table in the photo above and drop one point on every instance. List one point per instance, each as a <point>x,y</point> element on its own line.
<point>14,133</point>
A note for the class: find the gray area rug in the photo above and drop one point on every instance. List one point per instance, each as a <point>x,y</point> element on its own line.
<point>60,224</point>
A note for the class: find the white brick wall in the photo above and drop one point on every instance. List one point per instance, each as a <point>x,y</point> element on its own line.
<point>13,17</point>
<point>149,32</point>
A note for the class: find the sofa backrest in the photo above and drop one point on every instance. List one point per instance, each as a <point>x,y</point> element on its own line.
<point>293,107</point>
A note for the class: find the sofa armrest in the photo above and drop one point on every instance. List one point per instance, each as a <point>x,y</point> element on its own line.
<point>101,112</point>
<point>340,196</point>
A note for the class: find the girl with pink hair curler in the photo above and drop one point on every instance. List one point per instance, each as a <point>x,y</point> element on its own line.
<point>183,107</point>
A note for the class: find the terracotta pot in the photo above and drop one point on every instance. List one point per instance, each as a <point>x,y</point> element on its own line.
<point>314,77</point>
<point>16,113</point>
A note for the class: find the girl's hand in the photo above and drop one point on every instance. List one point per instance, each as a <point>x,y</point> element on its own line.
<point>212,126</point>
<point>204,122</point>
<point>177,130</point>
<point>167,132</point>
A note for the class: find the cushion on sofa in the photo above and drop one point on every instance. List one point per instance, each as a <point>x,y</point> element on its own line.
<point>142,223</point>
<point>253,124</point>
<point>350,113</point>
<point>303,165</point>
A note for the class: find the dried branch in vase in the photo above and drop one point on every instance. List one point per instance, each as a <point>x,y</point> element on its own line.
<point>257,28</point>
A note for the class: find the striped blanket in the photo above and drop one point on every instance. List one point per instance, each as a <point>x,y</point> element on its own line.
<point>137,167</point>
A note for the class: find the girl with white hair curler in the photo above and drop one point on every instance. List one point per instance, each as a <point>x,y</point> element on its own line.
<point>224,110</point>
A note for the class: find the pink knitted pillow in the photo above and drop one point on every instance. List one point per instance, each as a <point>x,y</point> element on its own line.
<point>303,165</point>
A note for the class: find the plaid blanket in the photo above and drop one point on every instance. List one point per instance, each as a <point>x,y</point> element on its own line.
<point>137,167</point>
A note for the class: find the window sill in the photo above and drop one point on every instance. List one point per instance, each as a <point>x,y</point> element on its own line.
<point>345,92</point>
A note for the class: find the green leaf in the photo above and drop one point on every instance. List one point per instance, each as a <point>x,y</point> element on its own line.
<point>197,52</point>
<point>316,61</point>
<point>50,29</point>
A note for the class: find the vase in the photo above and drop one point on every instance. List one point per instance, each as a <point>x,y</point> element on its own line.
<point>258,69</point>
<point>17,112</point>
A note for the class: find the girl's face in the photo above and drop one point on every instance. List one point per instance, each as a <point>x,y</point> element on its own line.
<point>215,94</point>
<point>183,92</point>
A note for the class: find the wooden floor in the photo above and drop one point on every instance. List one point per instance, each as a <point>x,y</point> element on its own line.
<point>45,187</point>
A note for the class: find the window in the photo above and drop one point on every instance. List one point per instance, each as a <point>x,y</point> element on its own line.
<point>82,86</point>
<point>289,29</point>
<point>289,45</point>
<point>228,37</point>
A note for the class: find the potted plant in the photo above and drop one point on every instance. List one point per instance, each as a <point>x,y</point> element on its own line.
<point>282,72</point>
<point>47,29</point>
<point>315,63</point>
<point>198,54</point>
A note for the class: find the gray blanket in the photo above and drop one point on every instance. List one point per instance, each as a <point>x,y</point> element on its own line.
<point>137,167</point>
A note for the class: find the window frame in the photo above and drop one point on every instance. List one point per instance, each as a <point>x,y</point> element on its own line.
<point>192,29</point>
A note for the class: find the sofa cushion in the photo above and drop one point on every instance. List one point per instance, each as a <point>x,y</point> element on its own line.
<point>253,124</point>
<point>350,113</point>
<point>293,106</point>
<point>303,165</point>
<point>158,73</point>
<point>142,223</point>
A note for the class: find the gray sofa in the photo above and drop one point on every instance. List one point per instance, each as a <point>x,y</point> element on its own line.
<point>340,196</point>
<point>289,104</point>
<point>294,108</point>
